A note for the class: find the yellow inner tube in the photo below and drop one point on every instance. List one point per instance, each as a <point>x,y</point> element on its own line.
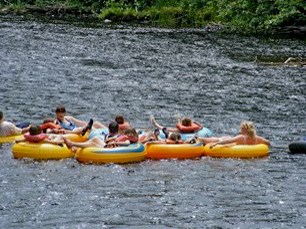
<point>237,151</point>
<point>45,151</point>
<point>76,137</point>
<point>40,151</point>
<point>179,151</point>
<point>72,137</point>
<point>10,139</point>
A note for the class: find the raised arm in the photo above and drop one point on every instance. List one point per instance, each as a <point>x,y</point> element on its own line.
<point>199,124</point>
<point>154,123</point>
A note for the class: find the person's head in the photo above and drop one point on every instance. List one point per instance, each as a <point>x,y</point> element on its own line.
<point>119,119</point>
<point>186,121</point>
<point>1,115</point>
<point>113,128</point>
<point>35,130</point>
<point>60,112</point>
<point>176,137</point>
<point>131,132</point>
<point>248,128</point>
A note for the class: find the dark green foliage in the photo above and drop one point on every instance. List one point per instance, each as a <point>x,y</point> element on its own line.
<point>251,16</point>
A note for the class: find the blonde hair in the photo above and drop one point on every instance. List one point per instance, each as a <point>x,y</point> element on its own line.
<point>249,127</point>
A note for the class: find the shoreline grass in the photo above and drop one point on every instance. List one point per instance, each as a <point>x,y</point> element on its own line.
<point>237,16</point>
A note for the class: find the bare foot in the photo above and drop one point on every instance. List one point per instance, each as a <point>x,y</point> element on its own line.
<point>67,142</point>
<point>74,149</point>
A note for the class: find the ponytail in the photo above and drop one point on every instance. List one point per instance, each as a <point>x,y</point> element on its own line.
<point>250,129</point>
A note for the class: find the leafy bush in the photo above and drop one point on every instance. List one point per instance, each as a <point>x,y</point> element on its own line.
<point>244,15</point>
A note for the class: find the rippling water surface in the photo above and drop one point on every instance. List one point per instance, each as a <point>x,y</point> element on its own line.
<point>103,71</point>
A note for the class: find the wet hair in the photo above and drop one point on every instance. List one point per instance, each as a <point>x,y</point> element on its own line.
<point>35,130</point>
<point>186,121</point>
<point>1,115</point>
<point>60,109</point>
<point>176,137</point>
<point>132,135</point>
<point>249,127</point>
<point>113,127</point>
<point>119,119</point>
<point>130,132</point>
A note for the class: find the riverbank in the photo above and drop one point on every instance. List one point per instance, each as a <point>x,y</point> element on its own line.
<point>238,16</point>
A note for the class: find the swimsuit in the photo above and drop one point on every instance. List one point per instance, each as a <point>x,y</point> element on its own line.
<point>70,126</point>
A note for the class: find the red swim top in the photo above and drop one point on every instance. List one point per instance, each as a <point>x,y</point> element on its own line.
<point>35,138</point>
<point>188,129</point>
<point>123,138</point>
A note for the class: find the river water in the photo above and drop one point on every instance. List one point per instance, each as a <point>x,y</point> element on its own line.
<point>101,71</point>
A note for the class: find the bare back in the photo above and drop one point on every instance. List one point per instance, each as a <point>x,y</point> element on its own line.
<point>246,140</point>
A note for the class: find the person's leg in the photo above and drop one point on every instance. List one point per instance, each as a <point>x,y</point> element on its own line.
<point>78,122</point>
<point>98,142</point>
<point>22,125</point>
<point>160,127</point>
<point>77,130</point>
<point>87,127</point>
<point>56,137</point>
<point>81,123</point>
<point>98,125</point>
<point>154,123</point>
<point>148,137</point>
<point>95,142</point>
<point>166,132</point>
<point>71,144</point>
<point>81,130</point>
